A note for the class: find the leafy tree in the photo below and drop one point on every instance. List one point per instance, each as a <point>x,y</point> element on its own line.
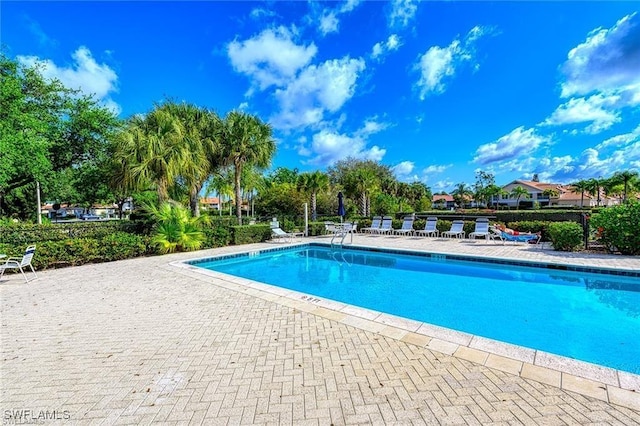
<point>283,175</point>
<point>280,199</point>
<point>618,227</point>
<point>485,187</point>
<point>519,192</point>
<point>312,183</point>
<point>593,186</point>
<point>245,140</point>
<point>222,184</point>
<point>48,133</point>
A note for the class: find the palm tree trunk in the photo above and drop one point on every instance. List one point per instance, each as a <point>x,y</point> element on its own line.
<point>314,214</point>
<point>194,203</point>
<point>238,172</point>
<point>363,203</point>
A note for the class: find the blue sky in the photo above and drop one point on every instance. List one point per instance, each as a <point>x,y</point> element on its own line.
<point>436,90</point>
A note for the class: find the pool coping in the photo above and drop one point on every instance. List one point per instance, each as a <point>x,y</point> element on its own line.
<point>604,383</point>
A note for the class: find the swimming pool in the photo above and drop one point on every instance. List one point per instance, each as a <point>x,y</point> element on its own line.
<point>589,316</point>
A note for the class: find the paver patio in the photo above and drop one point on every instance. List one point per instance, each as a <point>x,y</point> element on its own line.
<point>141,341</point>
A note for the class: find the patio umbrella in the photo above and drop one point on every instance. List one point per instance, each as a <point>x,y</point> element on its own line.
<point>341,210</point>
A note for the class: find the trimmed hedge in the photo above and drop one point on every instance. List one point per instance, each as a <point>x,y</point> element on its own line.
<point>566,236</point>
<point>247,234</point>
<point>24,233</point>
<point>618,228</point>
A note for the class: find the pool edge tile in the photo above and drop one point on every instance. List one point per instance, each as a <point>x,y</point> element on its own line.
<point>583,386</point>
<point>624,398</point>
<point>541,374</point>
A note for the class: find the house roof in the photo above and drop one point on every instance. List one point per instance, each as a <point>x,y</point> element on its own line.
<point>439,197</point>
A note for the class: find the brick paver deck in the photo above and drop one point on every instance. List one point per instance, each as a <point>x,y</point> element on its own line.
<point>141,341</point>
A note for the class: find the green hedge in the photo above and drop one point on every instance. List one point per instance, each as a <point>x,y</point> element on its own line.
<point>24,234</point>
<point>247,234</point>
<point>566,236</point>
<point>618,228</point>
<point>73,252</point>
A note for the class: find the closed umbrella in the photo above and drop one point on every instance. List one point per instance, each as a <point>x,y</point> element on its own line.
<point>341,210</point>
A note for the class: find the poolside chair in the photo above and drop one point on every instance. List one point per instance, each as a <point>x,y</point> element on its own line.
<point>21,263</point>
<point>407,226</point>
<point>375,225</point>
<point>457,229</point>
<point>515,238</point>
<point>386,227</point>
<point>429,227</point>
<point>481,229</point>
<point>277,234</point>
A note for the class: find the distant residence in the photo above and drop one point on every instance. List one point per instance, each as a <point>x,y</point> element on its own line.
<point>552,194</point>
<point>66,211</point>
<point>210,203</point>
<point>443,202</point>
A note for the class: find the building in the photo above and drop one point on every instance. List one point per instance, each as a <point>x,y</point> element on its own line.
<point>443,201</point>
<point>551,194</point>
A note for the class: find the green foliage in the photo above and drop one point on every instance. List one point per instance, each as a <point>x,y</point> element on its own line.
<point>618,227</point>
<point>176,229</point>
<point>17,234</point>
<point>121,245</point>
<point>280,200</point>
<point>216,236</point>
<point>247,234</point>
<point>565,236</point>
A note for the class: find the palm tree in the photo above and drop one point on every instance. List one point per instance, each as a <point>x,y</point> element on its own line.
<point>593,186</point>
<point>222,184</point>
<point>460,193</point>
<point>519,192</point>
<point>245,140</point>
<point>581,186</point>
<point>201,129</point>
<point>628,178</point>
<point>313,183</point>
<point>550,193</point>
<point>153,151</point>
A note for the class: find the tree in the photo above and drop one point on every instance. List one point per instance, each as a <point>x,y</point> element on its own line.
<point>48,133</point>
<point>312,183</point>
<point>484,188</point>
<point>581,186</point>
<point>629,179</point>
<point>222,184</point>
<point>461,193</point>
<point>593,186</point>
<point>519,192</point>
<point>245,140</point>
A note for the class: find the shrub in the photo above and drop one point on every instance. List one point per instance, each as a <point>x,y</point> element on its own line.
<point>247,234</point>
<point>176,229</point>
<point>120,246</point>
<point>618,227</point>
<point>566,236</point>
<point>216,236</point>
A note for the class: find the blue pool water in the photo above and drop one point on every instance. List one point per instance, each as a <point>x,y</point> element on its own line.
<point>587,316</point>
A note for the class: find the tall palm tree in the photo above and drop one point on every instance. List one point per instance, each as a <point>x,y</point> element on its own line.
<point>581,186</point>
<point>222,184</point>
<point>461,192</point>
<point>593,186</point>
<point>245,140</point>
<point>313,183</point>
<point>519,192</point>
<point>628,178</point>
<point>152,148</point>
<point>201,129</point>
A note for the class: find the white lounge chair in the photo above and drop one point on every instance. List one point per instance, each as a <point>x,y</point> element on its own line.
<point>407,226</point>
<point>516,238</point>
<point>429,228</point>
<point>457,229</point>
<point>386,227</point>
<point>278,234</point>
<point>481,229</point>
<point>21,263</point>
<point>375,225</point>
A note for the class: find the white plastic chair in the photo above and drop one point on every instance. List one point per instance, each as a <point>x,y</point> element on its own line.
<point>429,227</point>
<point>21,263</point>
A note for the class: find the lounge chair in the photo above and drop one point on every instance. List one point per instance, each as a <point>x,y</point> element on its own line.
<point>278,234</point>
<point>429,228</point>
<point>482,229</point>
<point>515,238</point>
<point>457,229</point>
<point>386,227</point>
<point>21,263</point>
<point>375,225</point>
<point>407,227</point>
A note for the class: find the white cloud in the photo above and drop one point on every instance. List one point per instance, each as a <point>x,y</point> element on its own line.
<point>393,43</point>
<point>403,169</point>
<point>329,23</point>
<point>607,61</point>
<point>433,169</point>
<point>325,87</point>
<point>597,109</point>
<point>402,12</point>
<point>329,146</point>
<point>621,140</point>
<point>85,74</point>
<point>271,57</point>
<point>518,143</point>
<point>438,64</point>
<point>259,13</point>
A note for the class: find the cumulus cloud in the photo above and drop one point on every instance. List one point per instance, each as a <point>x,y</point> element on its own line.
<point>439,64</point>
<point>621,140</point>
<point>84,74</point>
<point>433,169</point>
<point>402,12</point>
<point>329,21</point>
<point>384,47</point>
<point>271,57</point>
<point>519,142</point>
<point>329,146</point>
<point>596,109</point>
<point>403,169</point>
<point>607,61</point>
<point>317,88</point>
